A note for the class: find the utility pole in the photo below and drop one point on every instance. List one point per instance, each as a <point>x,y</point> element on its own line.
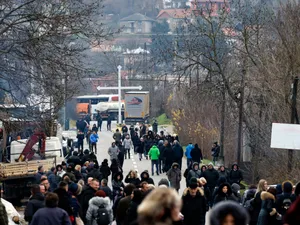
<point>241,111</point>
<point>119,95</point>
<point>294,117</point>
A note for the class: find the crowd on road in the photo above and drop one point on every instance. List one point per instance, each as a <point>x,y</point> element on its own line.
<point>77,192</point>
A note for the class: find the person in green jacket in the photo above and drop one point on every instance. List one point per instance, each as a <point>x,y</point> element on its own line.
<point>154,156</point>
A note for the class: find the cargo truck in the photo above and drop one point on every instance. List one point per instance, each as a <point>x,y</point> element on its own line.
<point>137,104</point>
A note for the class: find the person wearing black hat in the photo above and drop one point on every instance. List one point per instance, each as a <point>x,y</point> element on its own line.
<point>194,204</point>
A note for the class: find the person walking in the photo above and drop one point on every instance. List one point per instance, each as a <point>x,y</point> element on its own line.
<point>212,176</point>
<point>174,176</point>
<point>178,153</point>
<point>189,160</point>
<point>36,202</point>
<point>113,151</point>
<point>161,160</point>
<point>168,155</point>
<point>224,194</point>
<point>117,136</point>
<point>99,120</point>
<point>109,119</point>
<point>194,172</point>
<point>145,177</point>
<point>196,154</point>
<point>215,151</point>
<point>51,214</point>
<point>141,148</point>
<point>155,126</point>
<point>93,140</point>
<point>154,156</point>
<point>235,175</point>
<point>127,143</point>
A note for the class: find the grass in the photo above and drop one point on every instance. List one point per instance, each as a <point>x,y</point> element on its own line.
<point>163,120</point>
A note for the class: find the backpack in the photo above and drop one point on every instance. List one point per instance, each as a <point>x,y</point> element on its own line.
<point>286,204</point>
<point>249,205</point>
<point>102,217</point>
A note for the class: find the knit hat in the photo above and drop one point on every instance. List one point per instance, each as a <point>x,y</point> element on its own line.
<point>73,188</point>
<point>164,181</point>
<point>193,183</point>
<point>100,193</point>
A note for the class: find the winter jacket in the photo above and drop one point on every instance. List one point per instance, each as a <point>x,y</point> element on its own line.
<point>188,150</point>
<point>94,204</point>
<point>135,138</point>
<point>194,173</point>
<point>256,204</point>
<point>211,176</point>
<point>161,148</point>
<point>147,179</point>
<point>64,200</point>
<point>141,147</point>
<point>75,160</point>
<point>193,208</point>
<point>75,206</point>
<point>95,173</point>
<point>51,216</point>
<point>107,191</point>
<point>117,184</point>
<point>53,180</point>
<point>127,143</point>
<point>3,214</point>
<point>85,197</point>
<point>224,174</point>
<point>236,193</point>
<point>292,216</point>
<point>267,214</point>
<point>235,176</point>
<point>196,155</point>
<point>174,176</point>
<point>178,152</point>
<point>117,136</point>
<point>80,138</point>
<point>105,170</point>
<point>94,138</point>
<point>216,151</point>
<point>135,181</point>
<point>122,209</point>
<point>284,197</point>
<point>154,153</point>
<point>132,212</point>
<point>38,176</point>
<point>35,203</point>
<point>168,156</point>
<point>221,196</point>
<point>113,152</point>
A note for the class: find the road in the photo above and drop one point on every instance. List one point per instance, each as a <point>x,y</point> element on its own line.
<point>105,140</point>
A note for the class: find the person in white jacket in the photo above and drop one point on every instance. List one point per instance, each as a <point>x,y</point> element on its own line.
<point>12,214</point>
<point>127,143</point>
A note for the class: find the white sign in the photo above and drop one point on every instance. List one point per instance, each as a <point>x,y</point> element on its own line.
<point>285,136</point>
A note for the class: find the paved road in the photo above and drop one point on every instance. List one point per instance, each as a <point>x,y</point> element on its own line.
<point>105,140</point>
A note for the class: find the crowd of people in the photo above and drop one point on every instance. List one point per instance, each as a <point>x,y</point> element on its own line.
<point>82,191</point>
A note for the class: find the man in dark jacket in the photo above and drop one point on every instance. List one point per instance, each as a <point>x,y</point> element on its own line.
<point>215,151</point>
<point>87,194</point>
<point>64,198</point>
<point>53,179</point>
<point>81,125</point>
<point>123,205</point>
<point>196,154</point>
<point>39,174</point>
<point>285,200</point>
<point>36,202</point>
<point>211,175</point>
<point>117,136</point>
<point>95,173</point>
<point>235,175</point>
<point>178,153</point>
<point>74,159</point>
<point>146,177</point>
<point>194,172</point>
<point>194,204</point>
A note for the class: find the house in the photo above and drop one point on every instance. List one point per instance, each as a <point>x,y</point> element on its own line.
<point>213,5</point>
<point>137,24</point>
<point>174,17</point>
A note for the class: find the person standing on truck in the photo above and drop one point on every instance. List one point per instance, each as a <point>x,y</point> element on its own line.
<point>99,120</point>
<point>109,119</point>
<point>93,141</point>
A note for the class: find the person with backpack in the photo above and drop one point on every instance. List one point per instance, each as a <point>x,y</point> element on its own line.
<point>285,200</point>
<point>99,211</point>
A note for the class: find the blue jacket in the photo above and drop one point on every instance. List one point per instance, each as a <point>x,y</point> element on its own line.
<point>50,216</point>
<point>94,138</point>
<point>188,150</point>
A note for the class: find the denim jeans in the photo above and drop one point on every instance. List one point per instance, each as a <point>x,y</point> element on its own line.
<point>154,162</point>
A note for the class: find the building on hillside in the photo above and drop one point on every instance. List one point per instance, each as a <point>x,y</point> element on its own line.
<point>214,5</point>
<point>136,24</point>
<point>174,17</point>
<point>177,4</point>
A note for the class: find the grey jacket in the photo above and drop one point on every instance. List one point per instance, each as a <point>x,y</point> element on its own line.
<point>174,176</point>
<point>127,143</point>
<point>94,205</point>
<point>113,152</point>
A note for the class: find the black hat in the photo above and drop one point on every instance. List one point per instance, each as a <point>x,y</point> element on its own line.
<point>193,183</point>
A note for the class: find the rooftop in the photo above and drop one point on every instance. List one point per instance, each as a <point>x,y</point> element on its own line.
<point>137,17</point>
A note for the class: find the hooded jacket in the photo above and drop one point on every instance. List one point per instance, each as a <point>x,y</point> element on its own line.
<point>154,153</point>
<point>196,154</point>
<point>64,200</point>
<point>211,176</point>
<point>117,184</point>
<point>221,196</point>
<point>194,207</point>
<point>193,172</point>
<point>148,179</point>
<point>174,176</point>
<point>236,192</point>
<point>94,204</point>
<point>94,138</point>
<point>35,203</point>
<point>268,211</point>
<point>105,170</point>
<point>235,176</point>
<point>178,151</point>
<point>188,150</point>
<point>113,152</point>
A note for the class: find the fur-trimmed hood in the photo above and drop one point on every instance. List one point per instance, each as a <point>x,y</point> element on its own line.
<point>266,195</point>
<point>175,164</point>
<point>229,191</point>
<point>118,174</point>
<point>98,201</point>
<point>186,191</point>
